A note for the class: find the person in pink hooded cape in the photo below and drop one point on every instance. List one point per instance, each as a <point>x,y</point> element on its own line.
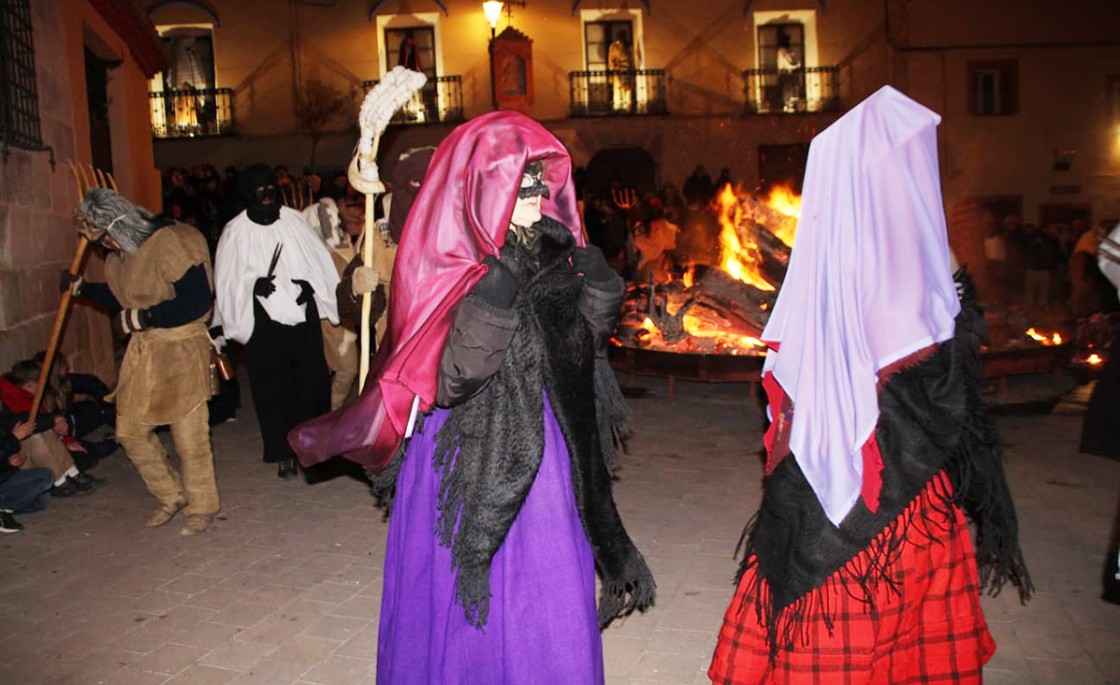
<point>492,420</point>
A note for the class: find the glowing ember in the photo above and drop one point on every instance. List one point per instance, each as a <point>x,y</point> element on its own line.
<point>700,327</point>
<point>1055,339</point>
<point>1094,359</point>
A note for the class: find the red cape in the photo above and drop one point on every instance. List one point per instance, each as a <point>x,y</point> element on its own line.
<point>461,214</point>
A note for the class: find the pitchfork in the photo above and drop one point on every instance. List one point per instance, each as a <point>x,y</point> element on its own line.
<point>85,179</point>
<point>298,195</point>
<point>625,199</point>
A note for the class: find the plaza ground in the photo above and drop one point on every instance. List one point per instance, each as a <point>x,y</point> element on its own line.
<point>285,588</point>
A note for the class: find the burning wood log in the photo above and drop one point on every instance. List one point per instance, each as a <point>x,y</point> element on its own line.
<point>774,256</point>
<point>746,301</point>
<point>717,312</point>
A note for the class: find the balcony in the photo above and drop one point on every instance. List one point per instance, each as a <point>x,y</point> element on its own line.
<point>191,113</point>
<point>439,101</point>
<point>780,91</point>
<point>617,93</point>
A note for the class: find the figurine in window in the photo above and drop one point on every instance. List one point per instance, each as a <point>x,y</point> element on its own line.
<point>620,57</point>
<point>789,77</point>
<point>408,56</point>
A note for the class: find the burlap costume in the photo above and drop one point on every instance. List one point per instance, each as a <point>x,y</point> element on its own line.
<point>340,342</point>
<point>165,375</point>
<point>384,254</point>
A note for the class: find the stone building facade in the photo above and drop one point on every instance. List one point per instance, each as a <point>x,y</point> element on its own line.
<point>1029,91</point>
<point>110,44</point>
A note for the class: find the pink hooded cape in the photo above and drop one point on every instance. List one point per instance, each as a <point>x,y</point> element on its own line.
<point>461,214</point>
<point>869,282</point>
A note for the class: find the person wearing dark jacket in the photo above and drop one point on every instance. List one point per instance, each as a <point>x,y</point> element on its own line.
<point>49,443</point>
<point>22,490</point>
<point>499,320</point>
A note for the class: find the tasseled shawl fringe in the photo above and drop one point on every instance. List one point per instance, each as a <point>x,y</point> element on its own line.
<point>611,411</point>
<point>869,570</point>
<point>938,443</point>
<point>490,449</point>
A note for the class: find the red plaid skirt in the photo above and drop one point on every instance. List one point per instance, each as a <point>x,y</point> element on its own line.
<point>930,629</point>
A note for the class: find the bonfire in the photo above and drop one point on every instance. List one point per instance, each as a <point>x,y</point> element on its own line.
<point>718,308</point>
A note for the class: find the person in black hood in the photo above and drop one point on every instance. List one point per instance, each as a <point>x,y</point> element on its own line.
<point>274,280</point>
<point>258,190</point>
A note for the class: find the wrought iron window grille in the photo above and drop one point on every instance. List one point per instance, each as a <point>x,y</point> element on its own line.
<point>19,98</point>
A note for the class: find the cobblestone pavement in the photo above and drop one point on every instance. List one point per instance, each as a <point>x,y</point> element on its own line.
<point>285,588</point>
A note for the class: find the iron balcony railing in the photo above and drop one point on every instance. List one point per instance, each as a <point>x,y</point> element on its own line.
<point>617,93</point>
<point>792,91</point>
<point>190,113</point>
<point>440,100</point>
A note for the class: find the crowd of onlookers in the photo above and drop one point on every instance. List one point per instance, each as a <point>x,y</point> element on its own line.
<point>1032,266</point>
<point>659,232</point>
<point>52,455</point>
<point>207,199</point>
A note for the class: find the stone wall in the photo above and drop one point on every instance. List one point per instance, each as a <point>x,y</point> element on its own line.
<point>37,236</point>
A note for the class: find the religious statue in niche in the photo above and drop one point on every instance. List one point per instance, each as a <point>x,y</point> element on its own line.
<point>512,64</point>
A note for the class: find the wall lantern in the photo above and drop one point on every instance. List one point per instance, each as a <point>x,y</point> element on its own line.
<point>493,11</point>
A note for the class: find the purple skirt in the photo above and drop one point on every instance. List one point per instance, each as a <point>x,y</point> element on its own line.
<point>542,625</point>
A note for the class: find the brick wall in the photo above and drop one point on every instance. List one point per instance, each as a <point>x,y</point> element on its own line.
<point>37,235</point>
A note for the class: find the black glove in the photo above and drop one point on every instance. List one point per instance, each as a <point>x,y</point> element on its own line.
<point>592,264</point>
<point>69,281</point>
<point>306,292</point>
<point>498,287</point>
<point>263,287</point>
<point>132,320</point>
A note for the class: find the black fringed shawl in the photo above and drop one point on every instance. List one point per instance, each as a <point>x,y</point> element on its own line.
<point>931,420</point>
<point>491,446</point>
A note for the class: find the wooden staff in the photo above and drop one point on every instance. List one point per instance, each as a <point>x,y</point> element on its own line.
<point>83,183</point>
<point>367,298</point>
<point>395,89</point>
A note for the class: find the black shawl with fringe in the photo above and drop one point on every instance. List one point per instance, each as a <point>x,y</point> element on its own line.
<point>491,446</point>
<point>931,420</point>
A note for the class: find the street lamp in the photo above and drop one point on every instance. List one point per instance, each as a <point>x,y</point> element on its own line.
<point>493,11</point>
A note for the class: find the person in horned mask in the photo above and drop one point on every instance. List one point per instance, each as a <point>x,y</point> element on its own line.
<point>158,290</point>
<point>860,566</point>
<point>275,280</point>
<point>498,324</point>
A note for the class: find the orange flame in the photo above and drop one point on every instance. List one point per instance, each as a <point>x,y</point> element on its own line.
<point>699,328</point>
<point>783,200</point>
<point>1055,339</point>
<point>1094,359</point>
<point>737,258</point>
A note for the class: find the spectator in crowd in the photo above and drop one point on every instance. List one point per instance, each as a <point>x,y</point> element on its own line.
<point>1090,290</point>
<point>698,190</point>
<point>84,416</point>
<point>723,180</point>
<point>22,490</point>
<point>1041,253</point>
<point>44,446</point>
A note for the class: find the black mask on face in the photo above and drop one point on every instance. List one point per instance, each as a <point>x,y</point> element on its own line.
<point>257,185</point>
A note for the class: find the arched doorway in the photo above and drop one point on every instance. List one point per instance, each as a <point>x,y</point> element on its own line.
<point>630,167</point>
<point>607,217</point>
